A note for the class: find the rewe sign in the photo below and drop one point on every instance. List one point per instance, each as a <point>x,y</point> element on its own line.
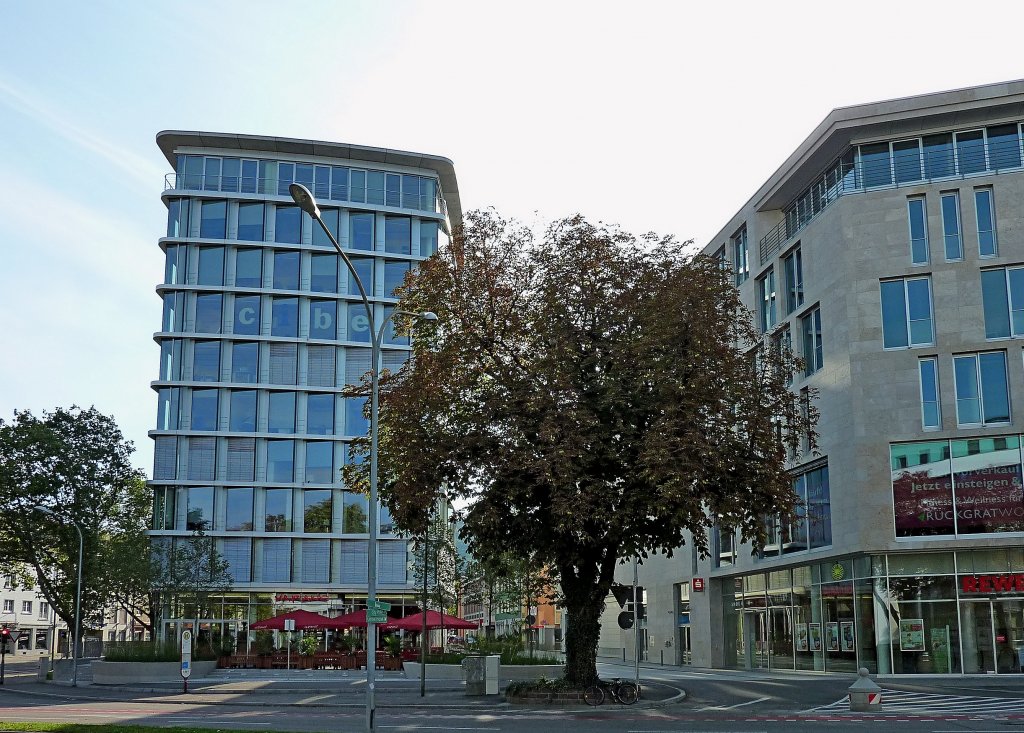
<point>1004,583</point>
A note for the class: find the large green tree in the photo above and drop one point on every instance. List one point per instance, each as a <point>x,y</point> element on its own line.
<point>591,396</point>
<point>74,462</point>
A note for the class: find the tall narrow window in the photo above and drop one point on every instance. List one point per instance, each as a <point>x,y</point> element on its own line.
<point>766,287</point>
<point>1002,294</point>
<point>208,310</point>
<point>249,268</point>
<point>939,160</point>
<point>951,225</point>
<point>814,356</point>
<point>928,370</point>
<point>278,510</point>
<point>280,461</point>
<point>906,313</point>
<point>970,151</point>
<point>360,231</point>
<point>906,158</point>
<point>918,220</point>
<point>982,391</point>
<point>250,222</point>
<point>794,269</point>
<point>1003,147</point>
<point>213,219</point>
<point>985,210</point>
<point>740,255</point>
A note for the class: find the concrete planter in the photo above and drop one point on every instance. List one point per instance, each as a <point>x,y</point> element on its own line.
<point>505,671</point>
<point>125,673</point>
<point>570,697</point>
<point>434,671</point>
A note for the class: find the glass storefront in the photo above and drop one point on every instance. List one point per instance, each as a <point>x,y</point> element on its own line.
<point>914,613</point>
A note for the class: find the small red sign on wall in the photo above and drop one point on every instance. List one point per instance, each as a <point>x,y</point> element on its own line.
<point>697,584</point>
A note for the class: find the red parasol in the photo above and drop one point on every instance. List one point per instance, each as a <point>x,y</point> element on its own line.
<point>303,620</point>
<point>357,618</point>
<point>435,620</point>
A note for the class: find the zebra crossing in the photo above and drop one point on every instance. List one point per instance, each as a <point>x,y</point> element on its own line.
<point>903,701</point>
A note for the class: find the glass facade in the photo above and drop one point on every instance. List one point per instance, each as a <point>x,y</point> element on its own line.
<point>255,351</point>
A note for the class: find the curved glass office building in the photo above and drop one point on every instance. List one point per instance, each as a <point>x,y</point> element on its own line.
<point>262,329</point>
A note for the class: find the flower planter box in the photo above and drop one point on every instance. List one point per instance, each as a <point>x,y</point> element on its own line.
<point>534,697</point>
<point>128,673</point>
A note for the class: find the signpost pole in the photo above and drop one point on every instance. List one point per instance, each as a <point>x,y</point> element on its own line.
<point>636,626</point>
<point>186,658</point>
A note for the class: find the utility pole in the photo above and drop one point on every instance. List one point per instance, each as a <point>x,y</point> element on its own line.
<point>636,626</point>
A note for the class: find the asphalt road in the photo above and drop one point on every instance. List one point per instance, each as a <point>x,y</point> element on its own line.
<point>723,702</point>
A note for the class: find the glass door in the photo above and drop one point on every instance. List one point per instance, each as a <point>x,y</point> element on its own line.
<point>1008,633</point>
<point>978,637</point>
<point>755,634</point>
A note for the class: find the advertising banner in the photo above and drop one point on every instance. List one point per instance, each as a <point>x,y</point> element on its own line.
<point>832,636</point>
<point>923,502</point>
<point>846,636</point>
<point>989,499</point>
<point>912,634</point>
<point>814,634</point>
<point>801,637</point>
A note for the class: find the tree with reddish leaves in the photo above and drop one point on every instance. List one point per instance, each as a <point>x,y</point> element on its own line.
<point>588,397</point>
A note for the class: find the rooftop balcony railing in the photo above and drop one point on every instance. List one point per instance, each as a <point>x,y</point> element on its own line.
<point>418,200</point>
<point>892,165</point>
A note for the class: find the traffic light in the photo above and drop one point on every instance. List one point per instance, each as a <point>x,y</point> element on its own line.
<point>641,609</point>
<point>5,638</point>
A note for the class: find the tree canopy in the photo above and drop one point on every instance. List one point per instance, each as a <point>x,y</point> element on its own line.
<point>76,463</point>
<point>590,396</point>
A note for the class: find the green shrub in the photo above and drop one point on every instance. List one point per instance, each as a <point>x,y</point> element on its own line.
<point>152,651</point>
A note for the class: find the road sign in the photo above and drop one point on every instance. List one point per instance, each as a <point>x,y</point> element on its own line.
<point>374,617</point>
<point>289,624</point>
<point>186,654</point>
<point>625,620</point>
<point>378,606</point>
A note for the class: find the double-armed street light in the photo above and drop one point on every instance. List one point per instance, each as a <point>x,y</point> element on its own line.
<point>78,590</point>
<point>302,196</point>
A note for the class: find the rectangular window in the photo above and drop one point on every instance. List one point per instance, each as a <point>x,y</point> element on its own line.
<point>167,409</point>
<point>876,165</point>
<point>339,183</point>
<point>316,508</point>
<point>1002,292</point>
<point>284,317</point>
<point>241,459</point>
<point>321,367</point>
<point>392,563</point>
<point>939,161</point>
<point>740,255</point>
<point>724,546</point>
<point>44,609</point>
<point>316,561</point>
<point>353,562</point>
<point>358,324</point>
<point>323,319</point>
<point>985,210</point>
<point>394,276</point>
<point>320,414</point>
<point>360,231</point>
<point>323,273</point>
<point>277,560</point>
<point>208,312</point>
<point>917,216</point>
<point>970,151</point>
<point>393,190</point>
<point>237,553</point>
<point>206,361</point>
<point>364,269</point>
<point>819,508</point>
<point>331,218</point>
<point>26,606</point>
<point>766,288</point>
<point>951,225</point>
<point>177,218</point>
<point>814,356</point>
<point>278,510</point>
<point>375,187</point>
<point>288,223</point>
<point>283,363</point>
<point>213,219</point>
<point>202,458</point>
<point>170,359</point>
<point>286,270</point>
<point>204,409</point>
<point>249,268</point>
<point>1003,147</point>
<point>319,462</point>
<point>245,361</point>
<point>238,509</point>
<point>250,222</point>
<point>931,416</point>
<point>175,264</point>
<point>982,390</point>
<point>281,412</point>
<point>356,422</point>
<point>199,511</point>
<point>165,457</point>
<point>906,159</point>
<point>174,312</point>
<point>794,270</point>
<point>906,313</point>
<point>243,411</point>
<point>355,514</point>
<point>247,315</point>
<point>8,605</point>
<point>280,461</point>
<point>398,235</point>
<point>428,238</point>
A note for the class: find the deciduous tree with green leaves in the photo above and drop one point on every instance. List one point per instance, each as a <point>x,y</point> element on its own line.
<point>590,396</point>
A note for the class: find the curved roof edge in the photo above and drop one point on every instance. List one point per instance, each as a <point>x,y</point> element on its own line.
<point>170,140</point>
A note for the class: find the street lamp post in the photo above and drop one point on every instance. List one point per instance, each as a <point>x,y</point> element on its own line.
<point>302,196</point>
<point>78,591</point>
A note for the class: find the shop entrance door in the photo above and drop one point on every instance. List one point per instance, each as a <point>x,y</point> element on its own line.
<point>683,645</point>
<point>993,636</point>
<point>755,633</point>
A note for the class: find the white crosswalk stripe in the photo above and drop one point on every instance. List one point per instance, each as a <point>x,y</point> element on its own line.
<point>901,701</point>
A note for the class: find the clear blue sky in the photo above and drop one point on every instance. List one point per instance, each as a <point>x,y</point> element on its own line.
<point>657,116</point>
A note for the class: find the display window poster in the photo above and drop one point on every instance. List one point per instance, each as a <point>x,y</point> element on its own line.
<point>801,637</point>
<point>832,636</point>
<point>846,637</point>
<point>814,636</point>
<point>912,634</point>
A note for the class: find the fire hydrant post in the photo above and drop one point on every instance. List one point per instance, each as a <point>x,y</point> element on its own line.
<point>865,695</point>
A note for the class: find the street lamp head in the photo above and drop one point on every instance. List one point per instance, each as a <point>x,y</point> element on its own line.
<point>428,316</point>
<point>45,510</point>
<point>302,196</point>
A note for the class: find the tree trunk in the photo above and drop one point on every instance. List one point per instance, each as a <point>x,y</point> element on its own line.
<point>581,638</point>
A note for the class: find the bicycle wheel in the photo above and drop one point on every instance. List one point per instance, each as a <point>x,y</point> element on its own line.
<point>628,693</point>
<point>593,695</point>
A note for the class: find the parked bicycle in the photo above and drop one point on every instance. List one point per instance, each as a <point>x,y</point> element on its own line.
<point>624,693</point>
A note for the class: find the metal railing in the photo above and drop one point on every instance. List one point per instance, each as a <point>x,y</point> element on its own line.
<point>891,168</point>
<point>417,201</point>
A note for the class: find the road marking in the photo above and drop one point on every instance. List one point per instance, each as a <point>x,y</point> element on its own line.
<point>901,701</point>
<point>431,727</point>
<point>737,705</point>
